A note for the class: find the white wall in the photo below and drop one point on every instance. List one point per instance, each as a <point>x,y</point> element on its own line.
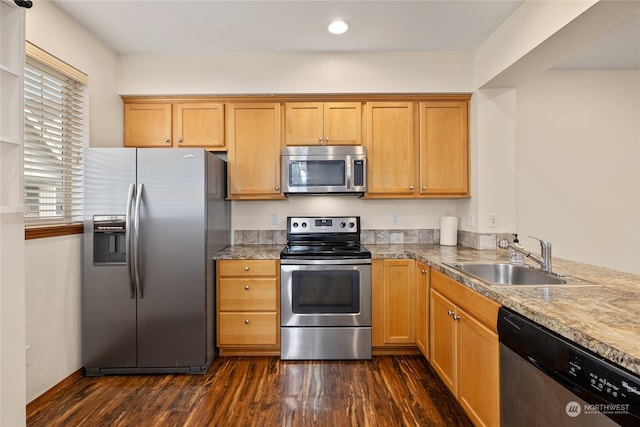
<point>53,289</point>
<point>578,159</point>
<point>53,265</point>
<point>53,31</point>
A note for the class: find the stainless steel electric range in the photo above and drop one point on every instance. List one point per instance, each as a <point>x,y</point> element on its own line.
<point>325,290</point>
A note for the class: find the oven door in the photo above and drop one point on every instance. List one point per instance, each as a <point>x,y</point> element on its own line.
<point>325,293</point>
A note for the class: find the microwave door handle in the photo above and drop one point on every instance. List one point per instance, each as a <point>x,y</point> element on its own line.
<point>349,171</point>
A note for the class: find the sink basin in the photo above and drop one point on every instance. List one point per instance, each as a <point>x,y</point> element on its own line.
<point>511,274</point>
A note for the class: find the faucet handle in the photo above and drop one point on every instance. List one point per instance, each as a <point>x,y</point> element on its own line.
<point>543,243</point>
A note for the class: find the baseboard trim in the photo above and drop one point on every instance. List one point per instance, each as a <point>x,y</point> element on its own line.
<point>51,394</point>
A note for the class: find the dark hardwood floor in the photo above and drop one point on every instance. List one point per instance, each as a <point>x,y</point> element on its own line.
<point>259,391</point>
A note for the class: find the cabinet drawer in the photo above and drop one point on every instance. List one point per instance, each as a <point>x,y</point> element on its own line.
<point>250,294</point>
<point>248,329</point>
<point>481,307</point>
<point>247,268</point>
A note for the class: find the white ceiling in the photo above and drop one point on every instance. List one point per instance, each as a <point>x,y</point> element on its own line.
<point>206,26</point>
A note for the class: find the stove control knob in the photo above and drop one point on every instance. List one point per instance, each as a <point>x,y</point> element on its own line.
<point>343,224</point>
<point>304,225</point>
<point>295,225</point>
<point>352,224</point>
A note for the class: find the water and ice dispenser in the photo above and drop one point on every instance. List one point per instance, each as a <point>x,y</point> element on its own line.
<point>109,239</point>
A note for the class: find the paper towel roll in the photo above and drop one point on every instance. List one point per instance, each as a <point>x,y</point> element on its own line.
<point>448,230</point>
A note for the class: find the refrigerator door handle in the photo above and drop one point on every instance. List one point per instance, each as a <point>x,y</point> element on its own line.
<point>136,241</point>
<point>127,240</point>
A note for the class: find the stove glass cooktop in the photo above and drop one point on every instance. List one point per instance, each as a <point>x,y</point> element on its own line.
<point>339,251</point>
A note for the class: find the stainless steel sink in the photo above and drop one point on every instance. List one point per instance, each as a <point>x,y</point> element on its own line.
<point>496,273</point>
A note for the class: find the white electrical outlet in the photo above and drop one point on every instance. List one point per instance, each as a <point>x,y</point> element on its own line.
<point>493,221</point>
<point>395,219</point>
<point>275,219</point>
<point>470,220</point>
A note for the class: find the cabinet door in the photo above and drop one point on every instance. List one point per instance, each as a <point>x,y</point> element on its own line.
<point>147,125</point>
<point>443,340</point>
<point>254,149</point>
<point>391,149</point>
<point>478,371</point>
<point>198,124</point>
<point>303,123</point>
<point>422,308</point>
<point>399,296</point>
<point>342,123</point>
<point>444,148</point>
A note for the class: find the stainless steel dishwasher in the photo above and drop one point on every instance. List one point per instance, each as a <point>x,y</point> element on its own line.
<point>546,380</point>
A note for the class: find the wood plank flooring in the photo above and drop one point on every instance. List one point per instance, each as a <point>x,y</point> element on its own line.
<point>259,391</point>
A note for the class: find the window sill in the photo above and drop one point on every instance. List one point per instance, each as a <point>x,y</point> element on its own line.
<point>40,232</point>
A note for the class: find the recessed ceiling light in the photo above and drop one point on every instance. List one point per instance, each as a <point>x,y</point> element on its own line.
<point>338,27</point>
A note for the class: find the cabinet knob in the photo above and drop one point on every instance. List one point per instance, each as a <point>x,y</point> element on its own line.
<point>327,139</point>
<point>277,188</point>
<point>179,140</point>
<point>320,140</point>
<point>450,313</point>
<point>246,321</point>
<point>424,187</point>
<point>166,140</point>
<point>456,317</point>
<point>246,287</point>
<point>246,268</point>
<point>411,187</point>
<point>423,271</point>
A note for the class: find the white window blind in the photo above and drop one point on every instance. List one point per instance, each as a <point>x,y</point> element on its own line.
<point>54,134</point>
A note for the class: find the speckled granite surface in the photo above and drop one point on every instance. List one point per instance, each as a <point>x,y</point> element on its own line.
<point>604,318</point>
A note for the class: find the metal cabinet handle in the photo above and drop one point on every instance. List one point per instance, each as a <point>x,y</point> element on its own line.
<point>456,317</point>
<point>320,140</point>
<point>277,188</point>
<point>179,140</point>
<point>423,271</point>
<point>327,139</point>
<point>424,187</point>
<point>246,321</point>
<point>246,287</point>
<point>246,268</point>
<point>166,140</point>
<point>450,313</point>
<point>411,187</point>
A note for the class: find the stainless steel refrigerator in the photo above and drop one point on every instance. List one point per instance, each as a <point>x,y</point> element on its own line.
<point>153,219</point>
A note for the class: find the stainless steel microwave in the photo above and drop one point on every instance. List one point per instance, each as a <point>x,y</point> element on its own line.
<point>325,169</point>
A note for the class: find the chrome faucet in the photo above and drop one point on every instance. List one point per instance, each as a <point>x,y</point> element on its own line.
<point>545,253</point>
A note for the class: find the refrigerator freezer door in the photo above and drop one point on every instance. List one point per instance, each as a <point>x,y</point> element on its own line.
<point>171,311</point>
<point>108,307</point>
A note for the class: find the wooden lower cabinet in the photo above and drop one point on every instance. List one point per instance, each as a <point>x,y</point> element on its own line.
<point>393,326</point>
<point>422,308</point>
<point>465,348</point>
<point>248,307</point>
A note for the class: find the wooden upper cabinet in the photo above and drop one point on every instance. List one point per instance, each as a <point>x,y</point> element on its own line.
<point>391,149</point>
<point>329,123</point>
<point>444,148</point>
<point>147,125</point>
<point>177,124</point>
<point>198,124</point>
<point>254,144</point>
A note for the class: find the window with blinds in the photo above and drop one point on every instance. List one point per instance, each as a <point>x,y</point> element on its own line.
<point>54,135</point>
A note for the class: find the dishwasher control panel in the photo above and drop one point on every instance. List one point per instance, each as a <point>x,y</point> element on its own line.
<point>601,378</point>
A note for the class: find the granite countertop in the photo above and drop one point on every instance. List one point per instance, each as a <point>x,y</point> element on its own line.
<point>603,318</point>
